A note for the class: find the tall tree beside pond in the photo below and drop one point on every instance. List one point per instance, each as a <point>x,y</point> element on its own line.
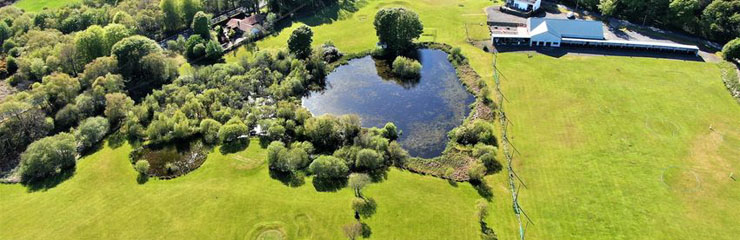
<point>300,42</point>
<point>397,28</point>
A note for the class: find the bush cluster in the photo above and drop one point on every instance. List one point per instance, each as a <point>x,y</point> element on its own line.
<point>406,68</point>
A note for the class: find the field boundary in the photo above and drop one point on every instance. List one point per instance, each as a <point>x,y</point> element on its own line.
<point>506,147</point>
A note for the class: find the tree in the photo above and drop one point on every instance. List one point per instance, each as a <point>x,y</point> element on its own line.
<point>189,8</point>
<point>214,51</point>
<point>47,156</point>
<point>352,230</point>
<point>609,7</point>
<point>364,207</point>
<point>276,159</point>
<point>22,125</point>
<point>299,42</point>
<point>406,68</point>
<point>66,117</point>
<point>91,131</point>
<point>209,129</point>
<point>142,167</point>
<point>113,34</point>
<point>5,32</point>
<point>233,132</point>
<point>397,28</point>
<point>60,89</point>
<point>171,14</point>
<point>131,50</point>
<point>328,167</point>
<point>368,159</point>
<point>358,181</point>
<point>158,68</point>
<point>731,50</point>
<point>477,171</point>
<point>721,19</point>
<point>91,43</point>
<point>481,210</point>
<point>202,25</point>
<point>116,106</point>
<point>685,14</point>
<point>100,67</point>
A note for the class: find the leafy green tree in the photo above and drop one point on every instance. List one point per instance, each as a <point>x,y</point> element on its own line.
<point>276,156</point>
<point>91,43</point>
<point>100,67</point>
<point>130,51</point>
<point>214,51</point>
<point>142,167</point>
<point>22,124</point>
<point>189,8</point>
<point>328,167</point>
<point>406,68</point>
<point>731,50</point>
<point>158,68</point>
<point>116,106</point>
<point>477,171</point>
<point>66,117</point>
<point>171,14</point>
<point>60,89</point>
<point>113,34</point>
<point>368,159</point>
<point>397,28</point>
<point>721,19</point>
<point>202,25</point>
<point>209,129</point>
<point>5,32</point>
<point>299,42</point>
<point>364,207</point>
<point>233,132</point>
<point>358,181</point>
<point>91,131</point>
<point>47,156</point>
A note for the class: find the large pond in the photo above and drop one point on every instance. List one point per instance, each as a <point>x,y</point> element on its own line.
<point>424,109</point>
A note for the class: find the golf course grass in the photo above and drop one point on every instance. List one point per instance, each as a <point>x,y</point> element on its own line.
<point>38,5</point>
<point>229,197</point>
<point>623,148</point>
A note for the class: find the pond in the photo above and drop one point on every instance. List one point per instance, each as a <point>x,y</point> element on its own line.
<point>424,109</point>
<point>173,159</point>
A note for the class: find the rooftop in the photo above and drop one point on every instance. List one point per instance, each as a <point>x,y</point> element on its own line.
<point>567,28</point>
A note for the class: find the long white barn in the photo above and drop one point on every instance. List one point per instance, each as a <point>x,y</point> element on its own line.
<point>557,32</point>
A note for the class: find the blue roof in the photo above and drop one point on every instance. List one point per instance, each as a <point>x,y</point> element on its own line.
<point>569,28</point>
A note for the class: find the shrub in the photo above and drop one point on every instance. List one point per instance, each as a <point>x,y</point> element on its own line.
<point>481,210</point>
<point>232,132</point>
<point>91,131</point>
<point>358,181</point>
<point>406,68</point>
<point>478,131</point>
<point>390,131</point>
<point>171,168</point>
<point>214,51</point>
<point>47,156</point>
<point>276,152</point>
<point>731,50</point>
<point>142,167</point>
<point>330,53</point>
<point>368,159</point>
<point>328,167</point>
<point>209,129</point>
<point>477,171</point>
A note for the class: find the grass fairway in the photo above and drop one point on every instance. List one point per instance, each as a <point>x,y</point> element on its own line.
<point>621,148</point>
<point>38,5</point>
<point>229,197</point>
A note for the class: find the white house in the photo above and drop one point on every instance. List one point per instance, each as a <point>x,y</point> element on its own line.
<point>524,5</point>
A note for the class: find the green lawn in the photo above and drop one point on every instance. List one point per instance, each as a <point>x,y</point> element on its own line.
<point>229,197</point>
<point>38,5</point>
<point>621,148</point>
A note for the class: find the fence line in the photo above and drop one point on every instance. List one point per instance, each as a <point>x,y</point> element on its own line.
<point>507,146</point>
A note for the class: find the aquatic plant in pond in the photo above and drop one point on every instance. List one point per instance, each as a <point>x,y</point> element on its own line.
<point>425,109</point>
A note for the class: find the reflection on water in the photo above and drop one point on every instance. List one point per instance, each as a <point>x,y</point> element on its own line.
<point>425,109</point>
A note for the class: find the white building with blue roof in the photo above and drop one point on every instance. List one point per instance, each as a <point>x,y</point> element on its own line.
<point>549,32</point>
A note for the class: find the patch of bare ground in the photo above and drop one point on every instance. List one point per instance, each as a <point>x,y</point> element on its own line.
<point>5,90</point>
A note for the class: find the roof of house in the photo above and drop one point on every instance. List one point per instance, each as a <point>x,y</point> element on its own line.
<point>566,28</point>
<point>245,24</point>
<point>528,1</point>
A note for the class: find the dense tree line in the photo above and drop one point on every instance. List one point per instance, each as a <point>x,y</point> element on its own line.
<point>718,20</point>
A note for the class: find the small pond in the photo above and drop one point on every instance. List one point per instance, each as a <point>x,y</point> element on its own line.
<point>172,160</point>
<point>424,109</point>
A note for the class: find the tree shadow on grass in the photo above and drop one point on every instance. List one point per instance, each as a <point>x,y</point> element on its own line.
<point>116,140</point>
<point>378,175</point>
<point>483,189</point>
<point>235,146</point>
<point>288,178</point>
<point>50,181</point>
<point>366,231</point>
<point>329,185</point>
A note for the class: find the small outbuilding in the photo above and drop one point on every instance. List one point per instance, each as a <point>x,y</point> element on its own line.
<point>524,5</point>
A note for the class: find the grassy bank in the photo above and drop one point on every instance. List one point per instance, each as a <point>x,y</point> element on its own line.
<point>38,5</point>
<point>229,197</point>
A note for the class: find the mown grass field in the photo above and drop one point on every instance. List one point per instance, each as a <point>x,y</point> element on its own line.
<point>229,197</point>
<point>624,148</point>
<point>38,5</point>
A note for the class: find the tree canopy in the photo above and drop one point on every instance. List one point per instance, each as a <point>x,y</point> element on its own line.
<point>397,28</point>
<point>300,41</point>
<point>47,156</point>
